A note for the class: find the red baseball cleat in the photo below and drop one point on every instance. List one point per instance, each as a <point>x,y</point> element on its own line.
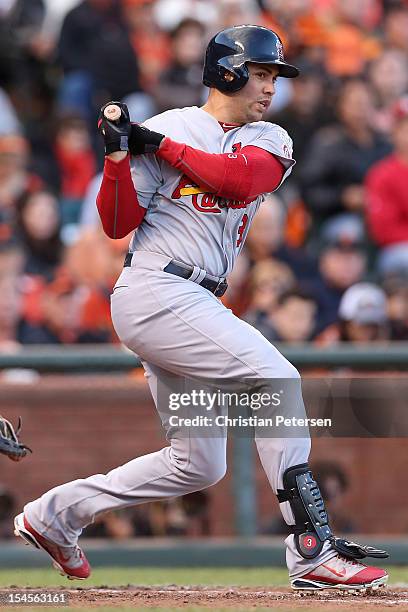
<point>341,573</point>
<point>70,561</point>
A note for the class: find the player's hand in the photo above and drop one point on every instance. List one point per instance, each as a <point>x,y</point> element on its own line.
<point>142,140</point>
<point>115,133</point>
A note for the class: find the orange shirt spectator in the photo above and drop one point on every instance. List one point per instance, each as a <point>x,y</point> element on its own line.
<point>348,50</point>
<point>151,45</point>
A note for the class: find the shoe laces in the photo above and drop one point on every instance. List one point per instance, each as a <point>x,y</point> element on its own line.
<point>77,553</point>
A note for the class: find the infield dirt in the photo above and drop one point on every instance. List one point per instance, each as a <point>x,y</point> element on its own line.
<point>196,598</point>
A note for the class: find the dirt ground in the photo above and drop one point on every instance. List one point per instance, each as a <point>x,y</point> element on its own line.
<point>188,597</point>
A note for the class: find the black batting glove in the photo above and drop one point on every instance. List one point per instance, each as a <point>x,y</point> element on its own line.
<point>115,133</point>
<point>142,140</point>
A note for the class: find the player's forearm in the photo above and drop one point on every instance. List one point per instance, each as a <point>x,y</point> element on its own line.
<point>117,202</point>
<point>240,176</point>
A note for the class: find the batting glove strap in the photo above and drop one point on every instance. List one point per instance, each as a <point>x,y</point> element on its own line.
<point>142,140</point>
<point>115,133</point>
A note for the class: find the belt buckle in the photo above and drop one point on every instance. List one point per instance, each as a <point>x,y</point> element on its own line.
<point>220,288</point>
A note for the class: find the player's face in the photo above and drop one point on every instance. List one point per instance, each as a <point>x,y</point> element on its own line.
<point>254,100</point>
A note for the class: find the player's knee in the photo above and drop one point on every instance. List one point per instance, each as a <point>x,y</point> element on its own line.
<point>216,473</point>
<point>211,477</point>
<point>197,472</point>
<point>208,473</point>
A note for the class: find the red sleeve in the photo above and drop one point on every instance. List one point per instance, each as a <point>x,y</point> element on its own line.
<point>385,221</point>
<point>117,202</point>
<point>237,176</point>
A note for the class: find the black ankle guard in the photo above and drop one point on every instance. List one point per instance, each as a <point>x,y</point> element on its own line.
<point>311,527</point>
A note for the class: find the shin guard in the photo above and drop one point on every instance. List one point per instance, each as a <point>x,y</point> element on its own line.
<point>311,527</point>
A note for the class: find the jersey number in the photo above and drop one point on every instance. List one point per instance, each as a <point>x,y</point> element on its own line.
<point>241,228</point>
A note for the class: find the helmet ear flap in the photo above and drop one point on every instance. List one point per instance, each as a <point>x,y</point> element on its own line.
<point>232,80</point>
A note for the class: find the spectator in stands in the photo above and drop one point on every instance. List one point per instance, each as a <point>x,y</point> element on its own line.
<point>395,28</point>
<point>15,179</point>
<point>77,165</point>
<point>363,315</point>
<point>342,263</point>
<point>63,312</point>
<point>10,298</point>
<point>333,172</point>
<point>291,320</point>
<point>26,46</point>
<point>96,276</point>
<point>387,198</point>
<point>169,13</point>
<point>196,507</point>
<point>396,290</point>
<point>100,270</point>
<point>150,44</point>
<point>349,43</point>
<point>7,508</point>
<point>50,311</point>
<point>114,525</point>
<point>305,113</point>
<point>389,78</point>
<point>9,120</point>
<point>298,24</point>
<point>184,516</point>
<point>97,58</point>
<point>38,227</point>
<point>269,279</point>
<point>232,12</point>
<point>29,55</point>
<point>266,238</point>
<point>181,83</point>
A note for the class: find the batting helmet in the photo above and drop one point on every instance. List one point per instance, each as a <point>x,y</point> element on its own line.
<point>230,49</point>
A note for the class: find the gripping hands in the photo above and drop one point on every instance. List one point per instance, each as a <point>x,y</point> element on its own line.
<point>120,134</point>
<point>115,132</point>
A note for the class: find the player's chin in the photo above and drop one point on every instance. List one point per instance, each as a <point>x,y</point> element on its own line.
<point>256,113</point>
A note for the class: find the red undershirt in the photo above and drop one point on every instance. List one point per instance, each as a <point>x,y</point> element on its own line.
<point>240,176</point>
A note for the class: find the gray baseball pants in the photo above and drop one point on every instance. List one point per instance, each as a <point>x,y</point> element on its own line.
<point>177,326</point>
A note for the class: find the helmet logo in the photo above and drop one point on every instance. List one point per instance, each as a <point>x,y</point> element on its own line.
<point>279,49</point>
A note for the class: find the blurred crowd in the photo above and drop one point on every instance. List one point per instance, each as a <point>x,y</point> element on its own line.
<point>327,257</point>
<point>191,515</point>
<point>185,516</point>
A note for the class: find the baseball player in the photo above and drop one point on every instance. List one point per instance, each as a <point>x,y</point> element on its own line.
<point>197,178</point>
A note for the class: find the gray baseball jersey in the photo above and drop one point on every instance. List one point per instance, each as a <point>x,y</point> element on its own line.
<point>182,219</point>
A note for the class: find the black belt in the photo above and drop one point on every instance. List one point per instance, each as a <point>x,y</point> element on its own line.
<point>211,283</point>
